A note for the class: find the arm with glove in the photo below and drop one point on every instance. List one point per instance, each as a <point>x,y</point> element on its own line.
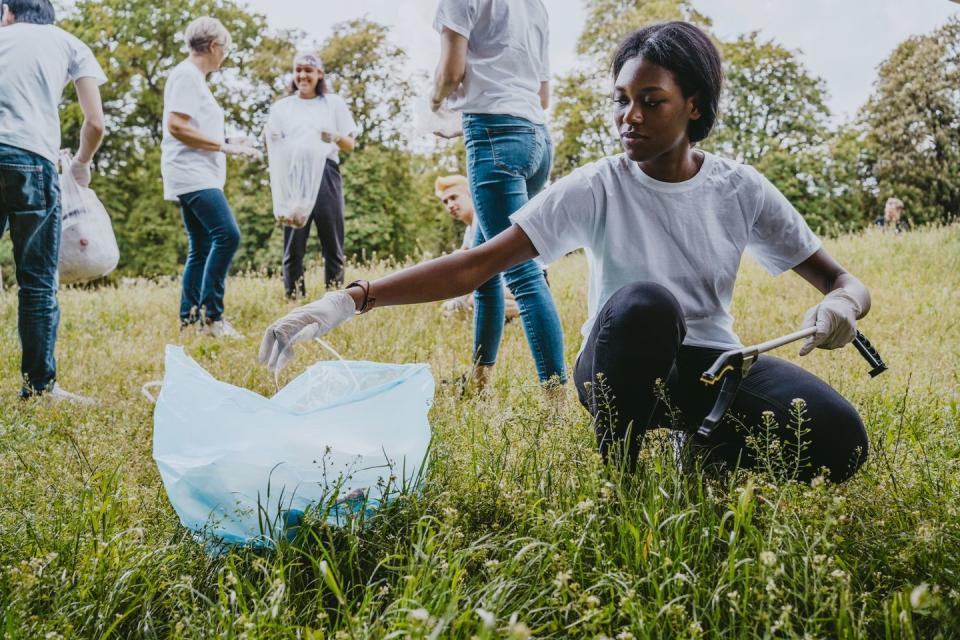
<point>846,300</point>
<point>442,278</point>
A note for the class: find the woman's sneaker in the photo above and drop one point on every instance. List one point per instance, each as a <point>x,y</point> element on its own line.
<point>220,329</point>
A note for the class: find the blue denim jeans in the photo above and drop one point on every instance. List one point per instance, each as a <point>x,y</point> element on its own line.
<point>213,237</point>
<point>30,208</point>
<point>508,162</point>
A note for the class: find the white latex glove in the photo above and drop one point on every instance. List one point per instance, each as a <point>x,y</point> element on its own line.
<point>80,172</point>
<point>835,319</point>
<point>329,137</point>
<point>304,323</point>
<point>243,150</point>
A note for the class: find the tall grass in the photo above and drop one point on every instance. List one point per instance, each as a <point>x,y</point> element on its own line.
<point>520,530</point>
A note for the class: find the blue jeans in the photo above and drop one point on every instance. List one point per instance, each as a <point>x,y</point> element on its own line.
<point>508,162</point>
<point>214,237</point>
<point>30,207</point>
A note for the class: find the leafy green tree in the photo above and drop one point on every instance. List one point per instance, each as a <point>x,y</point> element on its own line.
<point>138,45</point>
<point>913,122</point>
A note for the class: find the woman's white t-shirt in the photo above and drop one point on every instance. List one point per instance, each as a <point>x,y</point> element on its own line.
<point>686,236</point>
<point>186,169</point>
<point>296,116</point>
<point>507,55</point>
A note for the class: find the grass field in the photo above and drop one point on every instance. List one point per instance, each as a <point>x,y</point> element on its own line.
<point>520,530</point>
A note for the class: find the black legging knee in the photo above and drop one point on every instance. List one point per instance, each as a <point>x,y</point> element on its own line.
<point>637,339</point>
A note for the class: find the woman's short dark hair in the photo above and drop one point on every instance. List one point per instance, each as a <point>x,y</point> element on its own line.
<point>689,54</point>
<point>321,87</point>
<point>32,11</point>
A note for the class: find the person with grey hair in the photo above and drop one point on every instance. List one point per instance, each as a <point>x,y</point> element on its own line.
<point>38,60</point>
<point>312,112</point>
<point>194,169</point>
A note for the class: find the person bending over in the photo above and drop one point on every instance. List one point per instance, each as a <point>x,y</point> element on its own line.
<point>664,226</point>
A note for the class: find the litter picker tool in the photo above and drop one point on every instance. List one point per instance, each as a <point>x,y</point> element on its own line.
<point>732,366</point>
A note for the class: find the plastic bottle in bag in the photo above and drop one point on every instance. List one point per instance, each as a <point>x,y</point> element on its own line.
<point>88,246</point>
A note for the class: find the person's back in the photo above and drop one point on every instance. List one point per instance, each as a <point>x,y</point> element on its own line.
<point>507,59</point>
<point>37,61</point>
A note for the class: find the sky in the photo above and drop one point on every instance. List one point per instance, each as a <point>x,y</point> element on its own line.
<point>842,41</point>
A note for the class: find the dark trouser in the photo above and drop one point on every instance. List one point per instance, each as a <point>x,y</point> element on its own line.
<point>327,215</point>
<point>30,207</point>
<point>637,339</point>
<point>213,237</point>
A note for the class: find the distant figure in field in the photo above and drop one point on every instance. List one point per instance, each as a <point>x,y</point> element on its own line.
<point>892,217</point>
<point>313,111</point>
<point>37,60</point>
<point>454,193</point>
<point>193,164</point>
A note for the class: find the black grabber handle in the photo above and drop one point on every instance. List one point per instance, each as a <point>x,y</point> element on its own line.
<point>869,354</point>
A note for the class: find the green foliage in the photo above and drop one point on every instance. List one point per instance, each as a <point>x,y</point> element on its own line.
<point>913,122</point>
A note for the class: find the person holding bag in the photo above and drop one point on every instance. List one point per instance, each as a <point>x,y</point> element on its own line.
<point>38,59</point>
<point>312,116</point>
<point>194,169</point>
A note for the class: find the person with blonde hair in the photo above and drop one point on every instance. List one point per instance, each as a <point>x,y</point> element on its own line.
<point>313,112</point>
<point>194,169</point>
<point>893,216</point>
<point>454,193</point>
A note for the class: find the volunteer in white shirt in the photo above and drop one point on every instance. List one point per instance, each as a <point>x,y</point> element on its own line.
<point>37,60</point>
<point>194,169</point>
<point>494,68</point>
<point>313,112</point>
<point>664,226</point>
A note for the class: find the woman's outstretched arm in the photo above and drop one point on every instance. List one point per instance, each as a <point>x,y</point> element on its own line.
<point>451,275</point>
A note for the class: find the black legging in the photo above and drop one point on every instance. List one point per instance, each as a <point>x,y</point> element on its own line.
<point>327,215</point>
<point>637,338</point>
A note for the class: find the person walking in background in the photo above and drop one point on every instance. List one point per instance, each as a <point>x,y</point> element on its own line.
<point>494,69</point>
<point>312,111</point>
<point>38,59</point>
<point>892,217</point>
<point>194,168</point>
<point>454,193</point>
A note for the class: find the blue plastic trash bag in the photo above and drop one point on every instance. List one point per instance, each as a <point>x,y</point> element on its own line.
<point>241,469</point>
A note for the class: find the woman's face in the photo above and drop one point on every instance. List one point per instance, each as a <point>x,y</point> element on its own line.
<point>649,110</point>
<point>306,78</point>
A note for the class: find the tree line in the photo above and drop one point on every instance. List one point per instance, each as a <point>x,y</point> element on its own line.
<point>904,142</point>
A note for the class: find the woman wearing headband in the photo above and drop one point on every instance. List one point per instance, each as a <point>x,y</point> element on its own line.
<point>312,112</point>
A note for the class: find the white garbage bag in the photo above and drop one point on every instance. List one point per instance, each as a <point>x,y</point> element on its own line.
<point>296,166</point>
<point>443,122</point>
<point>88,247</point>
<point>240,468</point>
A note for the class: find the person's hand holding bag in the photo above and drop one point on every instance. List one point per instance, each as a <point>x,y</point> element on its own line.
<point>304,323</point>
<point>835,319</point>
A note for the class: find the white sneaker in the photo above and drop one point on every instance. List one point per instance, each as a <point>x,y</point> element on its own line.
<point>220,329</point>
<point>58,394</point>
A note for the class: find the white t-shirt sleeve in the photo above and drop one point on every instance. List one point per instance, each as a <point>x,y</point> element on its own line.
<point>343,119</point>
<point>560,219</point>
<point>459,16</point>
<point>780,238</point>
<point>83,64</point>
<point>184,94</point>
<point>545,57</point>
